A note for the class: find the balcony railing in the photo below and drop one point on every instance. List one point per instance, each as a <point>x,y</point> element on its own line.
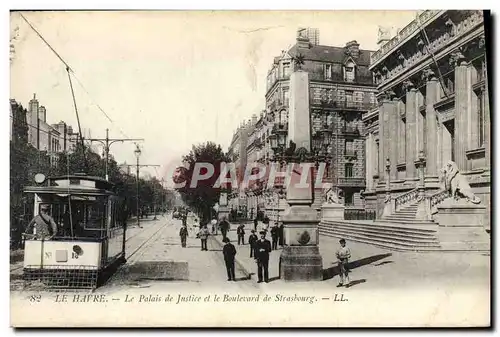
<point>351,181</point>
<point>351,130</point>
<point>344,104</point>
<point>280,127</point>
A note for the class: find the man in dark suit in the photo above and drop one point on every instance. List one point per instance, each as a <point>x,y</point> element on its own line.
<point>262,250</point>
<point>229,251</point>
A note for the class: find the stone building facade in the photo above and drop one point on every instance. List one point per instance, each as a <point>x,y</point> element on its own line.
<point>238,154</point>
<point>51,138</point>
<point>433,107</point>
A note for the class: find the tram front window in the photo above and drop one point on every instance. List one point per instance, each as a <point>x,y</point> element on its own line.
<point>78,218</point>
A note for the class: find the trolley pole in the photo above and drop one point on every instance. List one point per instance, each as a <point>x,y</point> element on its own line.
<point>107,142</point>
<point>138,166</point>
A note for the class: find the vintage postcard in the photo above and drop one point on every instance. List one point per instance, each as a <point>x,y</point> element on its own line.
<point>250,168</point>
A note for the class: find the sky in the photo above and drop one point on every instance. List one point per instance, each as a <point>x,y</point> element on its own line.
<point>174,78</point>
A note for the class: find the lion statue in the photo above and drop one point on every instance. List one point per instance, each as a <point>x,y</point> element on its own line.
<point>457,184</point>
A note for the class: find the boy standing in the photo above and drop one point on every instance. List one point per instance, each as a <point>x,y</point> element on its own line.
<point>343,256</point>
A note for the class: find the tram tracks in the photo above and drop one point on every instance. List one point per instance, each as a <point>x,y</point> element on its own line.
<point>142,248</point>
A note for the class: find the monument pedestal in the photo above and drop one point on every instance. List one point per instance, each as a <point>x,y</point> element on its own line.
<point>223,212</point>
<point>301,260</point>
<point>461,226</point>
<point>332,212</point>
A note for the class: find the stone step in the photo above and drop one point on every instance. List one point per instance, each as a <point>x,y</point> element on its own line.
<point>406,239</point>
<point>399,216</point>
<point>382,225</point>
<point>376,230</point>
<point>405,211</point>
<point>403,222</point>
<point>383,238</point>
<point>388,244</point>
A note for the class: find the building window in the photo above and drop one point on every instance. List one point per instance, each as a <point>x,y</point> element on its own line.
<point>377,156</point>
<point>286,69</point>
<point>348,170</point>
<point>348,198</point>
<point>328,71</point>
<point>349,72</point>
<point>480,112</point>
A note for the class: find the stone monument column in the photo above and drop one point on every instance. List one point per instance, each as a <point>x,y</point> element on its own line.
<point>223,210</point>
<point>300,260</point>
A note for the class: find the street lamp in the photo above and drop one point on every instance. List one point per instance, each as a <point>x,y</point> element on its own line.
<point>137,153</point>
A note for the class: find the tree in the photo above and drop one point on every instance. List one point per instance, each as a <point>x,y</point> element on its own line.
<point>204,195</point>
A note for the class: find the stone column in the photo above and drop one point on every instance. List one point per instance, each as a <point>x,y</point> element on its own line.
<point>381,137</point>
<point>432,96</point>
<point>393,115</point>
<point>411,129</point>
<point>462,105</point>
<point>387,132</point>
<point>369,161</point>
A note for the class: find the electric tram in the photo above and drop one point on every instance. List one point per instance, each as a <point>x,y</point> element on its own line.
<point>89,243</point>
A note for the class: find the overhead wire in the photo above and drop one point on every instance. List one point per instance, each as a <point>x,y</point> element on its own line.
<point>69,69</point>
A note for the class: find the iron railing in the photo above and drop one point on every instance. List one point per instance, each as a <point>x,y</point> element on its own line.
<point>359,214</point>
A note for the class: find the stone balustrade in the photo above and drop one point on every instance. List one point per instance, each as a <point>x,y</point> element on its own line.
<point>406,198</point>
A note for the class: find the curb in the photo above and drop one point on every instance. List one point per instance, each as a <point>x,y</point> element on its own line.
<point>245,271</point>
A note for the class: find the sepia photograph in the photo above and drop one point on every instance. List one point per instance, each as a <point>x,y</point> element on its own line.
<point>228,169</point>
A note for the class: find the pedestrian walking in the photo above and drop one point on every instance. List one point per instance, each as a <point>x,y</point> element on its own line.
<point>251,240</point>
<point>343,256</point>
<point>274,237</point>
<point>255,224</point>
<point>183,233</point>
<point>229,251</point>
<point>262,250</point>
<point>204,237</point>
<point>224,227</point>
<point>240,231</point>
<point>281,234</point>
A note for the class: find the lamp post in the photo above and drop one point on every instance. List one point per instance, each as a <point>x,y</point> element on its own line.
<point>137,153</point>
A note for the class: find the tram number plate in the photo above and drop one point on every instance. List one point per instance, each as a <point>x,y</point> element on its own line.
<point>74,255</point>
<point>48,255</point>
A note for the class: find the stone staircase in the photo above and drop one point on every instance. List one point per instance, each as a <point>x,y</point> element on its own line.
<point>386,235</point>
<point>401,228</point>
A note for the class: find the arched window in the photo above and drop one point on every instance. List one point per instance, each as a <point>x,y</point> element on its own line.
<point>349,72</point>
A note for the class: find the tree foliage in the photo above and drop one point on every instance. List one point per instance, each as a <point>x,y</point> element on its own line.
<point>26,161</point>
<point>203,195</point>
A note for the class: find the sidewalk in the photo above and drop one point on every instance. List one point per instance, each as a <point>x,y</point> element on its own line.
<point>373,266</point>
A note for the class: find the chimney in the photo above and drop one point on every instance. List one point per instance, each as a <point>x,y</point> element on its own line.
<point>42,113</point>
<point>303,39</point>
<point>352,48</point>
<point>254,119</point>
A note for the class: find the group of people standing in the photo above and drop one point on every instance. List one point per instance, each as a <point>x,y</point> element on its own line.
<point>260,248</point>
